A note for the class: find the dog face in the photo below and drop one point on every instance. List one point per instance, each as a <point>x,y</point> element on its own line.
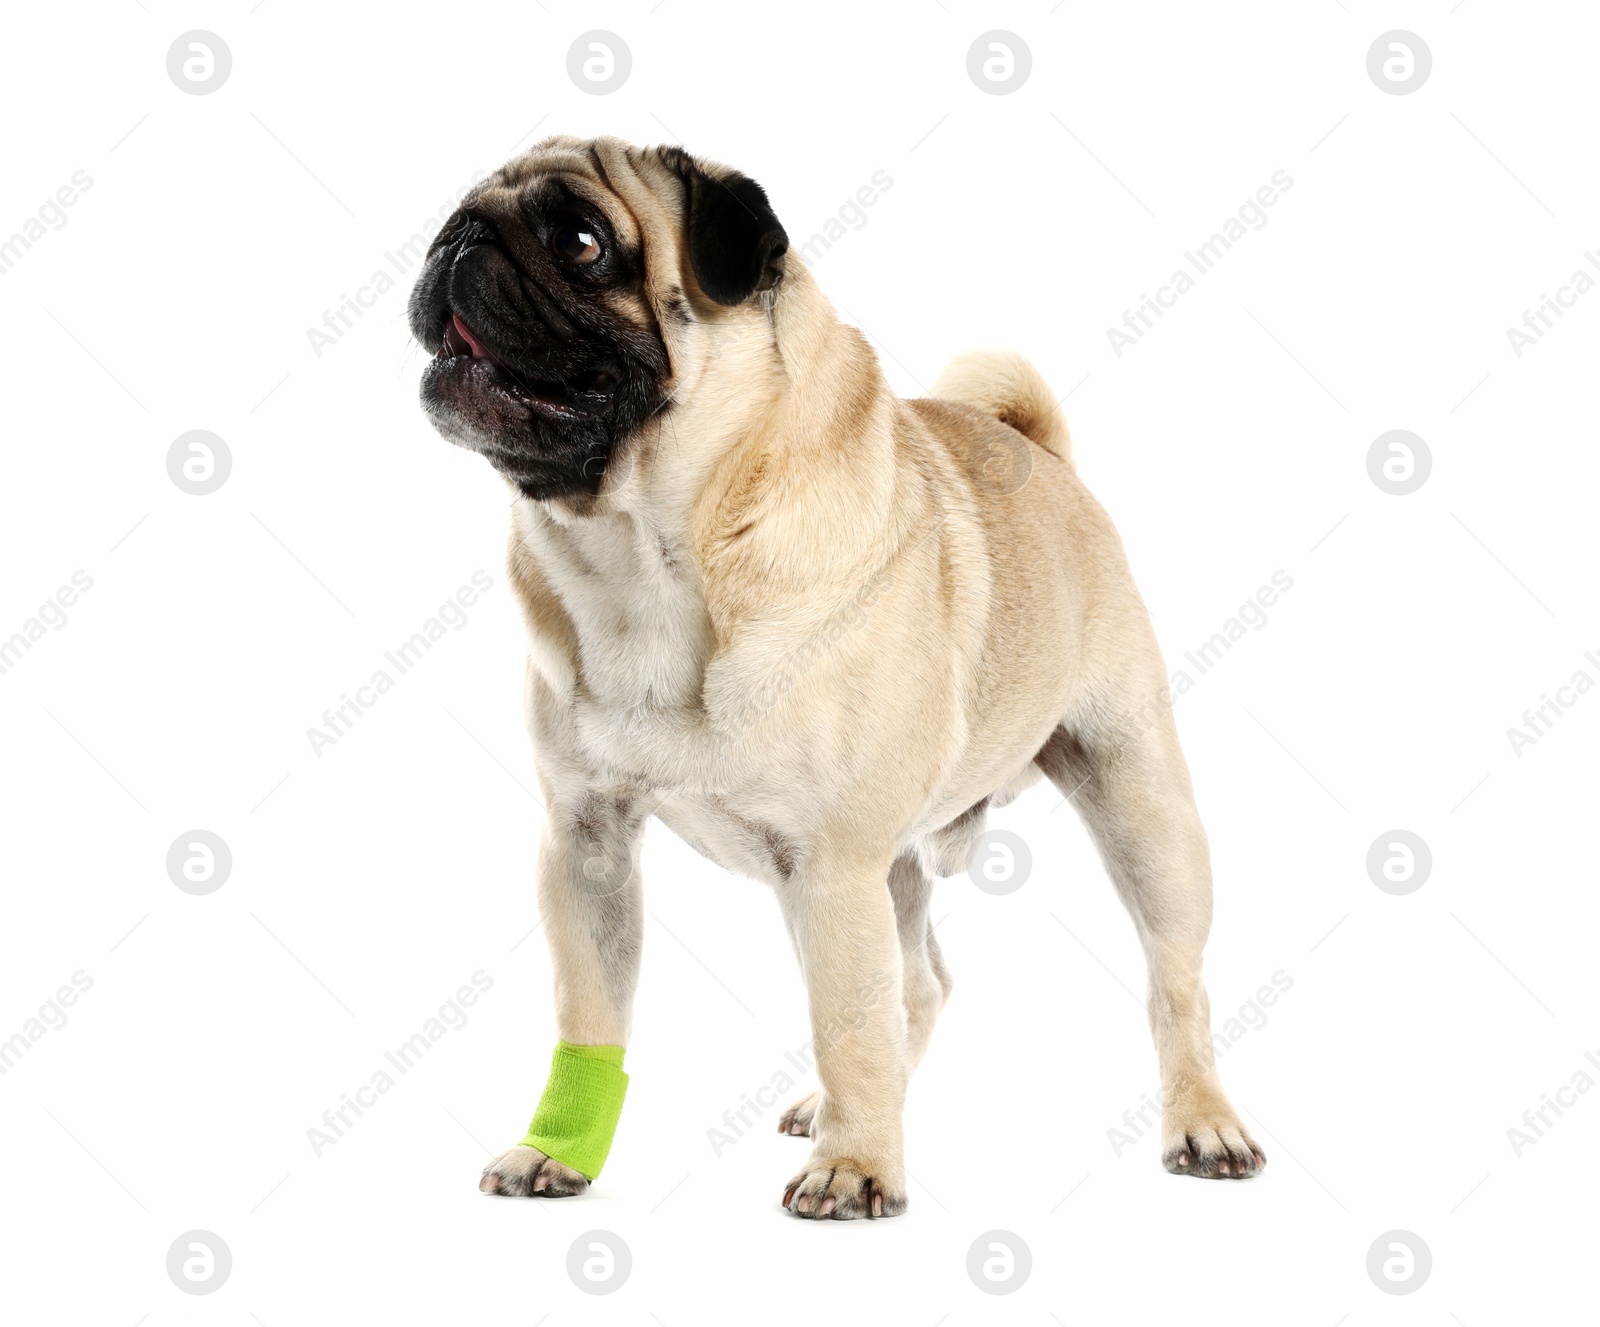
<point>559,301</point>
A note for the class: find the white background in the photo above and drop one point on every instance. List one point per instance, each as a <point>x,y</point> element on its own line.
<point>1230,443</point>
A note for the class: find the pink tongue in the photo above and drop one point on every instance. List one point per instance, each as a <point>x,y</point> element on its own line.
<point>465,332</point>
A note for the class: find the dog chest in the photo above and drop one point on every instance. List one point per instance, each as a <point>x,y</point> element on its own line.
<point>635,605</point>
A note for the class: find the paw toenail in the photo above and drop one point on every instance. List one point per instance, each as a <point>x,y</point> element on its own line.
<point>828,1204</point>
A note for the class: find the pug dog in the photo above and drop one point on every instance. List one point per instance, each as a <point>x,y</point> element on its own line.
<point>816,629</point>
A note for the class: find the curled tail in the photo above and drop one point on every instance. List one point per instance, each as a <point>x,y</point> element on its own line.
<point>1003,384</point>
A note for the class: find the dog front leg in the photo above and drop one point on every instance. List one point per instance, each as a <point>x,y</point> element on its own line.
<point>842,918</point>
<point>592,909</point>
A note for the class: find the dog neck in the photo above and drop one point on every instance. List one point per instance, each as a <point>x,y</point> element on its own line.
<point>772,469</point>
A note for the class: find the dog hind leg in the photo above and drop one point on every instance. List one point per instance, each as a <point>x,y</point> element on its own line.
<point>1128,779</point>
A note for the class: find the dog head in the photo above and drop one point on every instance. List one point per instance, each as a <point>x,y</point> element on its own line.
<point>575,297</point>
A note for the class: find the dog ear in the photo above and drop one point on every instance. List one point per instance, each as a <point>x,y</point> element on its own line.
<point>736,243</point>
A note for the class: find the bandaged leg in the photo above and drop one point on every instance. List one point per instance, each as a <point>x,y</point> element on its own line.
<point>592,914</point>
<point>577,1115</point>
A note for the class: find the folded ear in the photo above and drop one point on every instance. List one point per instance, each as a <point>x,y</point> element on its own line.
<point>736,243</point>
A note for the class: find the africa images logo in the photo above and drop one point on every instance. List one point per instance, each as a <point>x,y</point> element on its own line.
<point>52,213</point>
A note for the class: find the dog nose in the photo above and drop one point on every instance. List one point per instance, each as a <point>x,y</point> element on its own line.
<point>466,231</point>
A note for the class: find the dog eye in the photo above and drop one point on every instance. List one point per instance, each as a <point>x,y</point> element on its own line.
<point>575,244</point>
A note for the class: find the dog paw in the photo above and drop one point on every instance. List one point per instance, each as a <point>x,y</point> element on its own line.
<point>797,1119</point>
<point>526,1172</point>
<point>1209,1141</point>
<point>839,1189</point>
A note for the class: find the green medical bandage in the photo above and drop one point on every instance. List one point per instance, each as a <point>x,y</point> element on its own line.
<point>578,1113</point>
